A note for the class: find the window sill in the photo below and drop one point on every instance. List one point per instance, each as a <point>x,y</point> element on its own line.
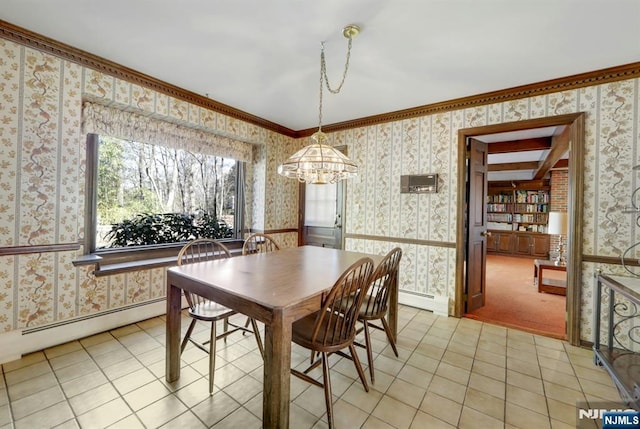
<point>111,262</point>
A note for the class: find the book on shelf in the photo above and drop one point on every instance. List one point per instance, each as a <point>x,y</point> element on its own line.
<point>530,228</point>
<point>496,207</point>
<point>534,197</point>
<point>532,208</point>
<point>499,217</point>
<point>530,218</point>
<point>500,198</point>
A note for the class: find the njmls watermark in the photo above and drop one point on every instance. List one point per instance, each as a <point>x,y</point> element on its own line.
<point>607,415</point>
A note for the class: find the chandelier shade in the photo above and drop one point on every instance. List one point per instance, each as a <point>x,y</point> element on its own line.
<point>318,164</point>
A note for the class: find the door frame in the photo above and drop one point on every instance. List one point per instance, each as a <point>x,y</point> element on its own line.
<point>575,121</point>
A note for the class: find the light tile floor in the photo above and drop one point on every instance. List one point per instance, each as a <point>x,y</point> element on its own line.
<point>450,373</point>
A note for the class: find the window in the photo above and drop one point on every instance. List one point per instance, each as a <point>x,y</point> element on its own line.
<point>320,205</point>
<point>146,194</point>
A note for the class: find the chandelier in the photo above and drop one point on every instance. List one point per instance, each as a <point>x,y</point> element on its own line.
<point>320,163</point>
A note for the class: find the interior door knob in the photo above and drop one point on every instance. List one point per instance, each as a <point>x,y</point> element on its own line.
<point>486,233</point>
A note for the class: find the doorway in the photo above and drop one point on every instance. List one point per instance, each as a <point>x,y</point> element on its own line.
<point>321,213</point>
<point>472,232</point>
<point>519,199</point>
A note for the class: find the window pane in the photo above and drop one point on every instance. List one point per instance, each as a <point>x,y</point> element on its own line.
<point>149,194</point>
<point>320,205</point>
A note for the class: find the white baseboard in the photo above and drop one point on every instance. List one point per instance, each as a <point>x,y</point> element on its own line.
<point>439,305</point>
<point>15,344</point>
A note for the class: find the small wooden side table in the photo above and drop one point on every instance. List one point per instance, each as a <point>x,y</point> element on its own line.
<point>558,287</point>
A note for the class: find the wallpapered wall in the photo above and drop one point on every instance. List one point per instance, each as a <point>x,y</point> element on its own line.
<point>376,207</point>
<point>429,145</point>
<point>42,160</point>
<point>42,180</point>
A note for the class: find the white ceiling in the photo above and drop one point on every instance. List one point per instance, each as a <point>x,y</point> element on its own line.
<point>262,56</point>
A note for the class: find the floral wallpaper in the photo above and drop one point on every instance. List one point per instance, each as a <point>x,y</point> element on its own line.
<point>42,183</point>
<point>429,145</point>
<point>376,207</point>
<point>281,194</point>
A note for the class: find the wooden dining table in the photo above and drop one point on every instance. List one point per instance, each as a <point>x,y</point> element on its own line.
<point>274,288</point>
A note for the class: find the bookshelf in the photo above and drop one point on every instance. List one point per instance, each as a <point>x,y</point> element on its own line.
<point>518,210</point>
<point>517,216</point>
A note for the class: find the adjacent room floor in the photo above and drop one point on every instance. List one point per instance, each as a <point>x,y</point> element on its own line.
<point>512,298</point>
<point>451,373</point>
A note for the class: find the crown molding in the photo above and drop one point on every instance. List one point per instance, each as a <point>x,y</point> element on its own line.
<point>44,44</point>
<point>581,80</point>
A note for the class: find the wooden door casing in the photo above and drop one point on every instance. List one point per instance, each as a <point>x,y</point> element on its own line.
<point>575,123</point>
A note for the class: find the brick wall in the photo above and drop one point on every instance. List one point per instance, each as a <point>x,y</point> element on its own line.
<point>559,189</point>
<point>558,197</point>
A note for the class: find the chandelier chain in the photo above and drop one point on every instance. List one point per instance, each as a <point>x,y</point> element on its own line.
<point>324,79</point>
<point>323,66</point>
<point>319,162</point>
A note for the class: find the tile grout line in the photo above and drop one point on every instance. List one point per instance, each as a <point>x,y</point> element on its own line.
<point>426,388</point>
<point>431,327</point>
<point>90,356</point>
<point>544,389</point>
<point>220,390</point>
<point>171,391</point>
<point>6,387</point>
<point>473,359</point>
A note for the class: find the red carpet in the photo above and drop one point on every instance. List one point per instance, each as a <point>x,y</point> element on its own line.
<point>513,300</point>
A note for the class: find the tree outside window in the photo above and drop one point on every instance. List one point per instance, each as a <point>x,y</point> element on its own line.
<point>150,194</point>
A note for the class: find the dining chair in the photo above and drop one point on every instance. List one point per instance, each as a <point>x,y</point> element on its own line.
<point>205,249</point>
<point>333,327</point>
<point>376,302</point>
<point>259,243</point>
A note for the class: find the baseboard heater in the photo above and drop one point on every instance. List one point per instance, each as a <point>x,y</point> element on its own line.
<point>17,343</point>
<point>438,304</point>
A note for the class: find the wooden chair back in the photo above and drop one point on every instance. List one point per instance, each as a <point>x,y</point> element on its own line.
<point>259,243</point>
<point>375,306</point>
<point>202,249</point>
<point>335,325</point>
